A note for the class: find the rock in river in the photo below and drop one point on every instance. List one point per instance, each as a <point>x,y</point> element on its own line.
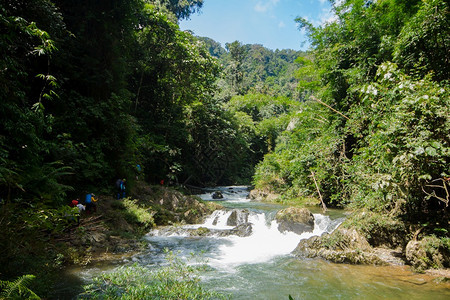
<point>295,219</point>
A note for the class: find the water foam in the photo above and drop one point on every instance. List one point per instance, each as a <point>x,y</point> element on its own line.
<point>265,243</point>
<point>233,194</point>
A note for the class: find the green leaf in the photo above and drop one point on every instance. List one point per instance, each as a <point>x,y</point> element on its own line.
<point>425,177</point>
<point>431,151</point>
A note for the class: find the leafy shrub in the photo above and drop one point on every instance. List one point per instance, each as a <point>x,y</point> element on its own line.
<point>378,229</point>
<point>135,213</point>
<point>402,161</point>
<point>177,280</point>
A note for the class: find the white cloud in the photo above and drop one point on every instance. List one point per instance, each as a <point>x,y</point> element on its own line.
<point>259,7</point>
<point>322,1</point>
<point>326,16</point>
<point>281,24</point>
<point>264,6</point>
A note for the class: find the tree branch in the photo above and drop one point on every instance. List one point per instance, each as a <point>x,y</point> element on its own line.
<point>324,207</point>
<point>323,103</point>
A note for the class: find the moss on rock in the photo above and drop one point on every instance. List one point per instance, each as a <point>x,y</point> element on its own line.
<point>428,253</point>
<point>343,246</point>
<point>380,230</point>
<point>295,219</point>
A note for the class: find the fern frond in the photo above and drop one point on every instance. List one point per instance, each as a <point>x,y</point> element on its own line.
<point>18,289</point>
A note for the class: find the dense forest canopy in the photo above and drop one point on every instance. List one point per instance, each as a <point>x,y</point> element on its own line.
<point>91,89</point>
<point>101,87</point>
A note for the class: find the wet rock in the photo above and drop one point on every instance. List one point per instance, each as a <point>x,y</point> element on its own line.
<point>263,195</point>
<point>298,220</point>
<point>217,195</point>
<point>201,231</point>
<point>381,230</point>
<point>172,206</point>
<point>345,246</point>
<point>242,230</point>
<point>238,217</point>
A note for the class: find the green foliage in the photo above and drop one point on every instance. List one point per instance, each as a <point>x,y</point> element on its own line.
<point>253,69</point>
<point>402,163</point>
<point>308,75</point>
<point>181,9</point>
<point>218,150</point>
<point>380,140</point>
<point>430,252</point>
<point>265,117</point>
<point>135,213</point>
<point>177,280</point>
<point>380,229</point>
<point>18,289</point>
<point>174,72</point>
<point>310,144</point>
<point>424,41</point>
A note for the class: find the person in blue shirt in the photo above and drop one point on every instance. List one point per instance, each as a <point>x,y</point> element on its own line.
<point>138,171</point>
<point>90,202</point>
<point>121,188</point>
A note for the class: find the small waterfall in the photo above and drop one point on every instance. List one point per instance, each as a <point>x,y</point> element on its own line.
<point>218,220</point>
<point>243,233</point>
<point>266,242</point>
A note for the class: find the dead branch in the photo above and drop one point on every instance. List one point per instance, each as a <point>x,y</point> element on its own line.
<point>324,207</point>
<point>446,200</point>
<point>323,103</point>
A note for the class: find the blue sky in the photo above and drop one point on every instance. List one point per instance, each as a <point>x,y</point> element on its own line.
<point>267,22</point>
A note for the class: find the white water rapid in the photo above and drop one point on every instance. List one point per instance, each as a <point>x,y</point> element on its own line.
<point>264,243</point>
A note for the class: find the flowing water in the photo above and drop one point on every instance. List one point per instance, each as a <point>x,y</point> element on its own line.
<point>260,266</point>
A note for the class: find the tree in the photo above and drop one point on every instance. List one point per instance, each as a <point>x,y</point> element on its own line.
<point>234,71</point>
<point>27,89</point>
<point>179,9</point>
<point>174,70</point>
<point>424,42</point>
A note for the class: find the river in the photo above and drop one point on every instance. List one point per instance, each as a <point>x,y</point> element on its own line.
<point>260,266</point>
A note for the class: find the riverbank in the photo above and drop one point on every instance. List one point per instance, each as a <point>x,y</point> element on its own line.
<point>111,233</point>
<point>117,227</point>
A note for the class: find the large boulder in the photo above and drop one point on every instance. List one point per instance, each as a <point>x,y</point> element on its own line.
<point>347,245</point>
<point>172,206</point>
<point>380,230</point>
<point>263,195</point>
<point>341,246</point>
<point>238,217</point>
<point>217,195</point>
<point>429,252</point>
<point>298,220</point>
<point>242,230</point>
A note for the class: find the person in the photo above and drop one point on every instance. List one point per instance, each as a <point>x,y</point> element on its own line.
<point>138,171</point>
<point>121,187</point>
<point>74,202</point>
<point>90,202</point>
<point>81,207</point>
